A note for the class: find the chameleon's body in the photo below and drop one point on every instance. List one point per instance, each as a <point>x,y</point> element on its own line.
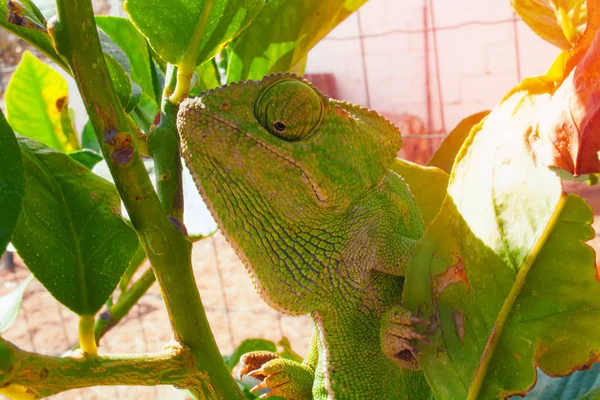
<point>301,186</point>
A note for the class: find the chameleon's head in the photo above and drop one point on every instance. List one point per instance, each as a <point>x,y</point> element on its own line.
<point>275,159</point>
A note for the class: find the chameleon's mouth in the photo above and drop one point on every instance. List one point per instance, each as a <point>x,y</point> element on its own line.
<point>199,107</point>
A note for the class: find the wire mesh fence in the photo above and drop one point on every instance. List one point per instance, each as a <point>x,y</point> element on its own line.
<point>424,64</point>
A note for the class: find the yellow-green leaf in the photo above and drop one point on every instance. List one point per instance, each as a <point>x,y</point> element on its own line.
<point>37,100</point>
<point>176,27</point>
<point>282,34</point>
<point>559,22</point>
<point>443,157</point>
<point>427,184</point>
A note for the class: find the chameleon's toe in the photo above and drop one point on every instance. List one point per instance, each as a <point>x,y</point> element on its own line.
<point>252,361</point>
<point>397,330</point>
<point>286,378</point>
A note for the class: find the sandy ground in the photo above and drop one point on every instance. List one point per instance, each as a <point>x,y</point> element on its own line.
<point>234,310</point>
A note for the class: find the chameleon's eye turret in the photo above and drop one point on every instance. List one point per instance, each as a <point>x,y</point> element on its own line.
<point>290,110</point>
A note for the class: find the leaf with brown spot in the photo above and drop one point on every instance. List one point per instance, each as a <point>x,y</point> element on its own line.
<point>453,274</point>
<point>507,229</point>
<point>37,105</point>
<point>20,17</point>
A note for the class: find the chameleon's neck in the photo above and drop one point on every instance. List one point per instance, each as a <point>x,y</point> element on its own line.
<point>352,364</point>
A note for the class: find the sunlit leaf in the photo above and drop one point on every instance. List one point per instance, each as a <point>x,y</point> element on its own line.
<point>12,182</point>
<point>172,26</point>
<point>282,34</point>
<point>559,22</point>
<point>37,100</point>
<point>503,272</point>
<point>443,157</point>
<point>10,305</point>
<point>70,233</point>
<point>427,185</point>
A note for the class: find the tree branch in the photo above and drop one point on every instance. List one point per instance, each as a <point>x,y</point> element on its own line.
<point>126,301</point>
<point>44,376</point>
<point>75,36</point>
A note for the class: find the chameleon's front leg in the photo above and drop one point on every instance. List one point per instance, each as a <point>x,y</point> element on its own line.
<point>286,378</point>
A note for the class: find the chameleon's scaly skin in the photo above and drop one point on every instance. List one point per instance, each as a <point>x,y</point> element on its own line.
<point>301,186</point>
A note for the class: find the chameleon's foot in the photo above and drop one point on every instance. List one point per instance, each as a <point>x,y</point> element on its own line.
<point>286,378</point>
<point>397,330</point>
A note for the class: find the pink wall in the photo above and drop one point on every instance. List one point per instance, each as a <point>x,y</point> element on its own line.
<point>477,57</point>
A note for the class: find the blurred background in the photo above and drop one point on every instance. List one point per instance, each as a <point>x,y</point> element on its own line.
<point>424,64</point>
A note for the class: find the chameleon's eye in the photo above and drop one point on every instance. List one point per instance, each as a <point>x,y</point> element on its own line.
<point>290,110</point>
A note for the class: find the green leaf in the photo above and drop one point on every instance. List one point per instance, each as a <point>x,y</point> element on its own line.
<point>70,233</point>
<point>503,272</point>
<point>590,179</point>
<point>591,395</point>
<point>12,182</point>
<point>427,184</point>
<point>174,27</point>
<point>444,156</point>
<point>119,68</point>
<point>207,77</point>
<point>10,305</point>
<point>37,105</point>
<point>40,39</point>
<point>86,157</point>
<point>282,34</point>
<point>88,138</point>
<point>133,44</point>
<point>127,97</point>
<point>247,346</point>
<point>559,22</point>
<point>569,387</point>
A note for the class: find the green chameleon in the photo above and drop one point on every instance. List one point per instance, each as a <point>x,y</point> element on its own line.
<point>302,188</point>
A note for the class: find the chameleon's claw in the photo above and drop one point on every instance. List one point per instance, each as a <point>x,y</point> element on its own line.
<point>412,334</point>
<point>415,320</point>
<point>397,330</point>
<point>251,363</point>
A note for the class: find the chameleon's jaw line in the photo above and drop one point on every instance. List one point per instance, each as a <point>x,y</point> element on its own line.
<point>203,110</point>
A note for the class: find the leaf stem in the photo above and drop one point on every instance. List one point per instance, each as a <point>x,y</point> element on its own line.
<point>87,341</point>
<point>185,68</point>
<point>165,149</point>
<point>125,303</point>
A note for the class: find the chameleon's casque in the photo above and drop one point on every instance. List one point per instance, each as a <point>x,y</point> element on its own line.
<point>300,185</point>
